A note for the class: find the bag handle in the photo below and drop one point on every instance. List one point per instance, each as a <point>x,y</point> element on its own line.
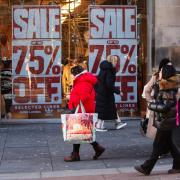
<point>80,105</point>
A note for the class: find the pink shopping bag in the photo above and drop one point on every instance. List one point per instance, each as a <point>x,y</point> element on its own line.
<point>177,113</point>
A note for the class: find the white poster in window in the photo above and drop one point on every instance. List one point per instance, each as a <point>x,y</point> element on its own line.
<point>113,31</point>
<point>36,63</point>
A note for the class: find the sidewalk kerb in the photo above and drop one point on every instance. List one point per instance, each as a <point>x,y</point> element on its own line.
<point>18,176</point>
<point>84,172</point>
<point>71,173</point>
<point>132,170</point>
<point>126,170</point>
<point>51,121</point>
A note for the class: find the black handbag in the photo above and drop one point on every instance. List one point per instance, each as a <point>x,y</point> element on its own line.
<point>143,126</point>
<point>157,107</point>
<point>155,88</point>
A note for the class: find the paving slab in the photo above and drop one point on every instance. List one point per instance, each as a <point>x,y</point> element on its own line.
<point>60,149</point>
<point>3,137</point>
<point>30,165</point>
<point>54,138</point>
<point>52,127</point>
<point>1,154</point>
<point>25,153</point>
<point>25,139</point>
<point>85,163</point>
<point>27,127</point>
<point>3,128</point>
<point>40,148</point>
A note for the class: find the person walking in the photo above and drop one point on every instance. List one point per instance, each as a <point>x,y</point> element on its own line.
<point>149,94</point>
<point>165,122</point>
<point>105,89</point>
<point>83,90</point>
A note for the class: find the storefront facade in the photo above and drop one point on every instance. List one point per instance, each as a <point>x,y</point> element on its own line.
<point>163,32</point>
<point>39,89</point>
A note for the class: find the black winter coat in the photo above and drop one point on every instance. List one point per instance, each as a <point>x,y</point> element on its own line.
<point>165,104</point>
<point>105,89</point>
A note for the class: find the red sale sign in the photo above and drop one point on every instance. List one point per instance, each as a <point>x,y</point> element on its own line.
<point>36,58</point>
<point>113,32</point>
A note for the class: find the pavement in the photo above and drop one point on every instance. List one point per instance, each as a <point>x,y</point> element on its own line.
<point>36,151</point>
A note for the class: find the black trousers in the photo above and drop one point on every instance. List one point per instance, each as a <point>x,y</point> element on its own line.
<point>76,147</point>
<point>162,145</point>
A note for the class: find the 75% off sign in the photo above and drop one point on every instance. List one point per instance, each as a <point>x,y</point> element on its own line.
<point>113,32</point>
<point>36,58</point>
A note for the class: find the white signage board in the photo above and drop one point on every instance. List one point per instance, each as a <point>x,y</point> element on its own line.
<point>36,59</point>
<point>113,31</point>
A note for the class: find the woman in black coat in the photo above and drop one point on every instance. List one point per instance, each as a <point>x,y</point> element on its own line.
<point>165,122</point>
<point>105,89</point>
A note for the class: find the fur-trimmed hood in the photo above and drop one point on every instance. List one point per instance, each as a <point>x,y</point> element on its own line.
<point>171,83</point>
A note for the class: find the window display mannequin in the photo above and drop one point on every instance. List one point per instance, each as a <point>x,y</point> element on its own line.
<point>82,62</point>
<point>5,69</point>
<point>2,105</point>
<point>5,50</point>
<point>66,77</point>
<point>67,80</point>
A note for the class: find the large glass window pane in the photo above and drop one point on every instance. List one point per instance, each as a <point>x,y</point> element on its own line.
<point>167,28</point>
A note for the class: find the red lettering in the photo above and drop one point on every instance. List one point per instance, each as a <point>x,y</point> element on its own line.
<point>100,49</point>
<point>51,90</point>
<point>21,90</point>
<point>23,53</point>
<point>35,89</point>
<point>36,58</point>
<point>124,86</point>
<point>128,58</point>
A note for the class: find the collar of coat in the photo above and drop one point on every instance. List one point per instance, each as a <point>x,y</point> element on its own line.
<point>171,83</point>
<point>85,71</point>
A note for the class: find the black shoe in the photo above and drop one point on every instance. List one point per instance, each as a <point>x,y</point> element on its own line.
<point>141,170</point>
<point>173,171</point>
<point>73,157</point>
<point>98,151</point>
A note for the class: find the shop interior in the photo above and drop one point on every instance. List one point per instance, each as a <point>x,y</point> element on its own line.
<point>74,20</point>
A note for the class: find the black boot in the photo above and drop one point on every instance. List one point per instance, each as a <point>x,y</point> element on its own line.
<point>141,170</point>
<point>73,157</point>
<point>173,171</point>
<point>98,151</point>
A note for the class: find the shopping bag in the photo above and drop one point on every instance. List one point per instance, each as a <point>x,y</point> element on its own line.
<point>79,127</point>
<point>177,112</point>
